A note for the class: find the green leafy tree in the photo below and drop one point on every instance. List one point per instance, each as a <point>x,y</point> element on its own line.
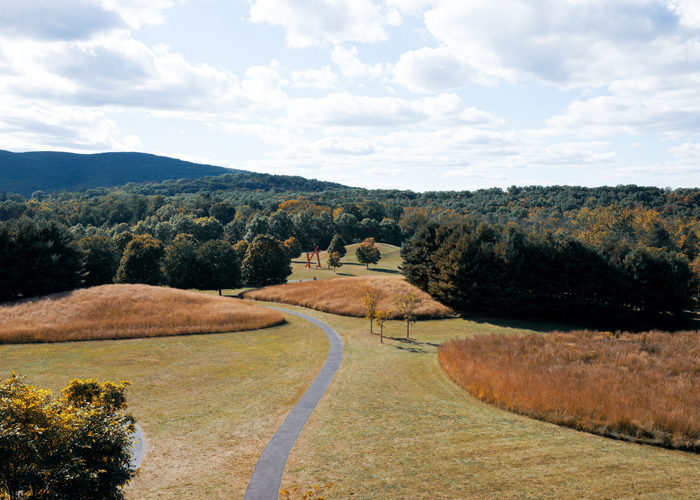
<point>337,245</point>
<point>74,446</point>
<point>141,262</point>
<point>257,225</point>
<point>266,262</point>
<point>281,225</point>
<point>390,232</point>
<point>218,266</point>
<point>334,260</point>
<point>367,253</point>
<point>100,259</point>
<point>241,247</point>
<point>208,229</point>
<point>122,240</point>
<point>180,266</point>
<point>293,247</point>
<point>347,226</point>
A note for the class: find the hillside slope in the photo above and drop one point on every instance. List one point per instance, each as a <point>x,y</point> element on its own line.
<point>51,171</point>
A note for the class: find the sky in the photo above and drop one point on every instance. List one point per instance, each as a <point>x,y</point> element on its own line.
<point>407,94</point>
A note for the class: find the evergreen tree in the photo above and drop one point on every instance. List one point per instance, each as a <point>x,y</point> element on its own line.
<point>337,244</point>
<point>38,258</point>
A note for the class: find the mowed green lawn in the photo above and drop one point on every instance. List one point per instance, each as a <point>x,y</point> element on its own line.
<point>388,264</point>
<point>208,404</point>
<point>394,426</point>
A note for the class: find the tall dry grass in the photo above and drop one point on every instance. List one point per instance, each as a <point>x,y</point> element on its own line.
<point>640,387</point>
<point>127,311</point>
<point>342,296</point>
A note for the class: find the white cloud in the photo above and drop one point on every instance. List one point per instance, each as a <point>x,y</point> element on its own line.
<point>432,70</point>
<point>572,43</point>
<point>263,85</point>
<point>315,78</point>
<point>345,145</point>
<point>317,22</point>
<point>52,20</point>
<point>352,67</point>
<point>114,70</point>
<point>30,125</point>
<point>349,110</point>
<point>643,106</point>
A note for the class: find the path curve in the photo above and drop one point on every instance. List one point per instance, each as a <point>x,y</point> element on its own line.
<point>138,448</point>
<point>266,479</point>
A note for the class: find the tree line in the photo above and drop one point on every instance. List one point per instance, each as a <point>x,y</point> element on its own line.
<point>42,257</point>
<point>478,268</point>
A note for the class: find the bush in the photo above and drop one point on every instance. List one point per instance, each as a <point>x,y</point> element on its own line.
<point>76,446</point>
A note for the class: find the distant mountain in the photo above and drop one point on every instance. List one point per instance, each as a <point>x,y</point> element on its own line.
<point>51,171</point>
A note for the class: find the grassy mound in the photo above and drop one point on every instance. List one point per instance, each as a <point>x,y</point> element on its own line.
<point>641,387</point>
<point>388,264</point>
<point>127,311</point>
<point>342,296</point>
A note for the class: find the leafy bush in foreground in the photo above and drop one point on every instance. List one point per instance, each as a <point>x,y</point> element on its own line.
<point>75,446</point>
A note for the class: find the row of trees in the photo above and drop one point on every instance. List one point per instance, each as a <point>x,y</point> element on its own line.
<point>41,257</point>
<point>480,268</point>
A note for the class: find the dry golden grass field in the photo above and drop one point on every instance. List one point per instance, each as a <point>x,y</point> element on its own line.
<point>342,296</point>
<point>127,311</point>
<point>208,404</point>
<point>641,387</point>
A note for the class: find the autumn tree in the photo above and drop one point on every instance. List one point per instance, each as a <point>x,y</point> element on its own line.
<point>369,301</point>
<point>367,253</point>
<point>380,316</point>
<point>334,260</point>
<point>406,305</point>
<point>74,446</point>
<point>293,247</point>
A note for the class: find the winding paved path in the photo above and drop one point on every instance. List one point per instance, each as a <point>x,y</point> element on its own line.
<point>267,476</point>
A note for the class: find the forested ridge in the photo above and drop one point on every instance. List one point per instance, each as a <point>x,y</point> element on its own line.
<point>642,238</point>
<point>52,171</point>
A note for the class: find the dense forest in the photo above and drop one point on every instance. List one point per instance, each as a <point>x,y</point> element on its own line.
<point>641,242</point>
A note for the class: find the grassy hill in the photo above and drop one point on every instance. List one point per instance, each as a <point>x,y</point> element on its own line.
<point>126,311</point>
<point>388,265</point>
<point>51,171</point>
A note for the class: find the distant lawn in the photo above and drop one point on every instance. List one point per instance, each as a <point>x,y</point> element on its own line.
<point>394,426</point>
<point>208,404</point>
<point>343,296</point>
<point>388,265</point>
<point>126,311</point>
